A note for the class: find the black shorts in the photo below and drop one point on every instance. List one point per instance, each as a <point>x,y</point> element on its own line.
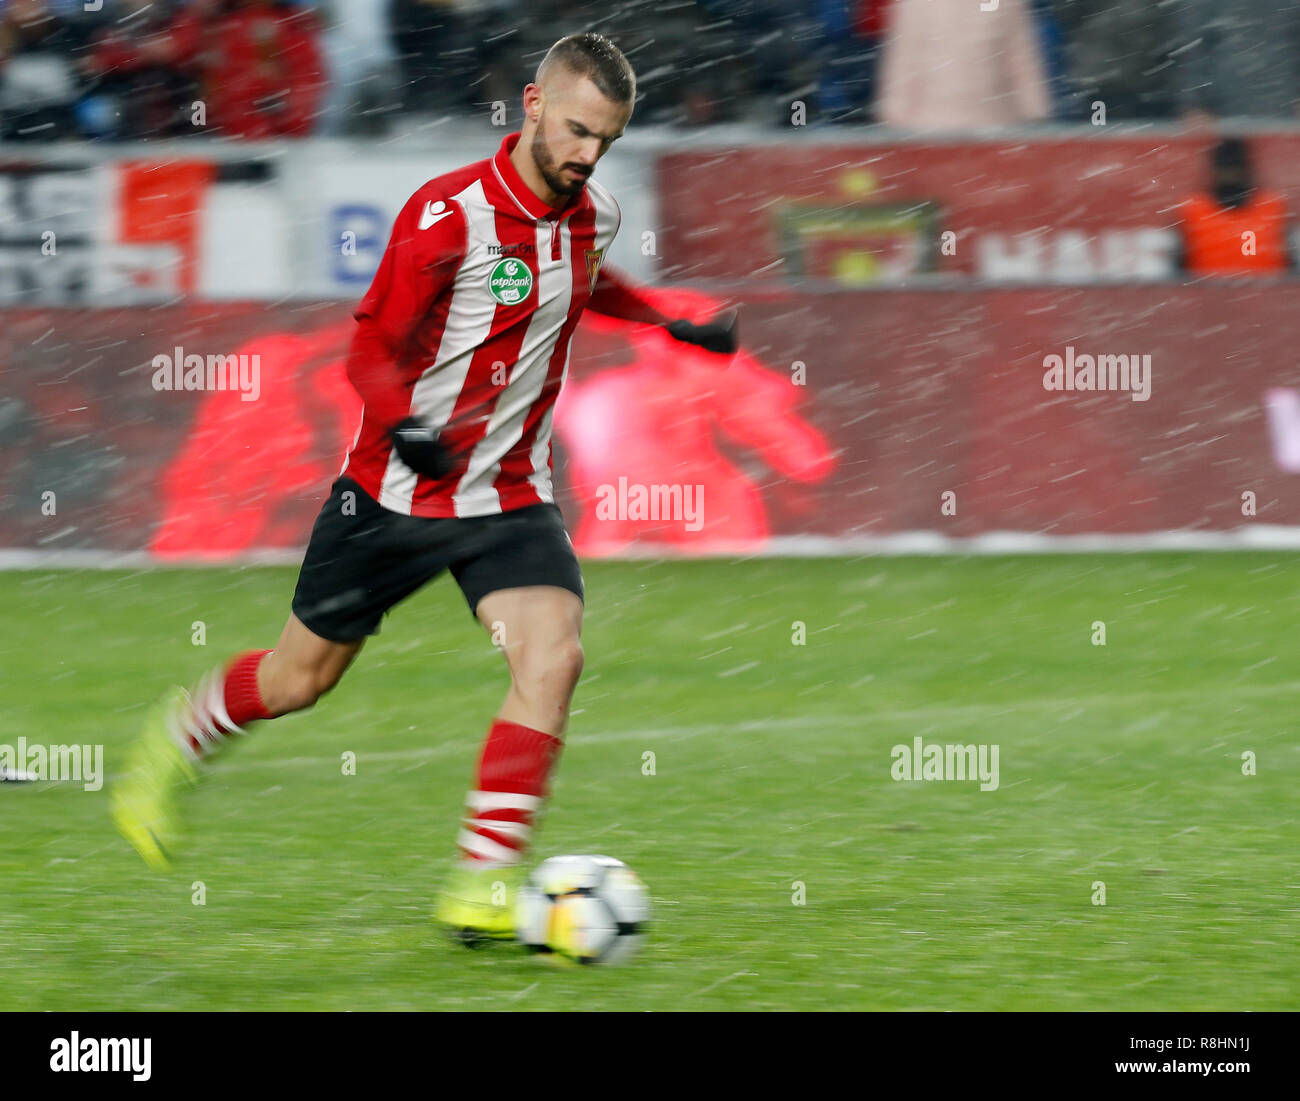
<point>364,559</point>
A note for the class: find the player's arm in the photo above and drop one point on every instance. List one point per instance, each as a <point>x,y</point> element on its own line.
<point>420,264</point>
<point>618,296</point>
<point>372,370</point>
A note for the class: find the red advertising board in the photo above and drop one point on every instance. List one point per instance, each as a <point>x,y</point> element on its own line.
<point>1080,209</point>
<point>848,414</point>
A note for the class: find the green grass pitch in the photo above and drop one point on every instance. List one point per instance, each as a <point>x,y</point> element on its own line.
<point>1119,763</point>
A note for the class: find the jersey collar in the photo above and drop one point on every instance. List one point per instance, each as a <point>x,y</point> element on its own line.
<point>520,193</point>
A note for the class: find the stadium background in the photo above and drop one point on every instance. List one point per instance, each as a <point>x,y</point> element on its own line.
<point>881,370</point>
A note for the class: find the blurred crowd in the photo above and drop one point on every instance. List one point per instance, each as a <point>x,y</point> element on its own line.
<point>139,69</point>
<point>130,69</point>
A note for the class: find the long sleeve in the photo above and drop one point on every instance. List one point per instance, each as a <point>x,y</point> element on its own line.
<point>418,266</point>
<point>617,295</point>
<point>372,370</point>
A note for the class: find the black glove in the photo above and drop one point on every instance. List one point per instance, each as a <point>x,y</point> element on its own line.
<point>418,447</point>
<point>720,335</point>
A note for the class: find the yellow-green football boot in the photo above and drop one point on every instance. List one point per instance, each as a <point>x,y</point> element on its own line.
<point>477,903</point>
<point>143,801</point>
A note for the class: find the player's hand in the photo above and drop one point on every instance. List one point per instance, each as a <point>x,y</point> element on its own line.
<point>720,335</point>
<point>418,447</point>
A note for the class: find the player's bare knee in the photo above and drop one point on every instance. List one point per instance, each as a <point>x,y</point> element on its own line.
<point>564,665</point>
<point>550,671</point>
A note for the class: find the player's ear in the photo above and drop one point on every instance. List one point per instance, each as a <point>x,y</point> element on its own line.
<point>533,101</point>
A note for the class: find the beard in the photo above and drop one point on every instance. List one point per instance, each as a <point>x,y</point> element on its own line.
<point>551,172</point>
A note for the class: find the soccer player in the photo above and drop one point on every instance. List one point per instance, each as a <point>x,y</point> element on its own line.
<point>460,349</point>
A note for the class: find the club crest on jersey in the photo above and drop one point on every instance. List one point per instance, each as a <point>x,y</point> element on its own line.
<point>511,282</point>
<point>593,256</point>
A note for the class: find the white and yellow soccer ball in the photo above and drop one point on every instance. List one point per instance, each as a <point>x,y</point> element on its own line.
<point>582,909</point>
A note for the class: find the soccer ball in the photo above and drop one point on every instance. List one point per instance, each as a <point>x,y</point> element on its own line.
<point>582,909</point>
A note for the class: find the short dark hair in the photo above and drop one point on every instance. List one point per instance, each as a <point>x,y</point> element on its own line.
<point>597,58</point>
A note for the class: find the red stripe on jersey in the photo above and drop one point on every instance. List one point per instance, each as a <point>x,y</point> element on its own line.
<point>478,398</point>
<point>512,483</point>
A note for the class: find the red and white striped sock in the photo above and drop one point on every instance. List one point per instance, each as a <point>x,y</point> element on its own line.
<point>224,701</point>
<point>512,783</point>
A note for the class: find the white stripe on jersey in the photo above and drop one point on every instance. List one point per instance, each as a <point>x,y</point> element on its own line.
<point>476,494</point>
<point>540,478</point>
<point>437,389</point>
<point>606,225</point>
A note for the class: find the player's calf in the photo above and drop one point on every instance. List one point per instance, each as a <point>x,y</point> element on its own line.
<point>264,684</point>
<point>285,686</point>
<point>302,668</point>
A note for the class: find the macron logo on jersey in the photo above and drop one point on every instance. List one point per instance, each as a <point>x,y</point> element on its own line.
<point>433,213</point>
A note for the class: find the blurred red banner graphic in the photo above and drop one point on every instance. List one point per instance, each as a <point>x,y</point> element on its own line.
<point>920,411</point>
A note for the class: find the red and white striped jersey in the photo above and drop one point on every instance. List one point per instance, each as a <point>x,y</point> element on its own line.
<point>476,301</point>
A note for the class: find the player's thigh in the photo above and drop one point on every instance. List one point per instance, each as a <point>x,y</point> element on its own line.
<point>538,627</point>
